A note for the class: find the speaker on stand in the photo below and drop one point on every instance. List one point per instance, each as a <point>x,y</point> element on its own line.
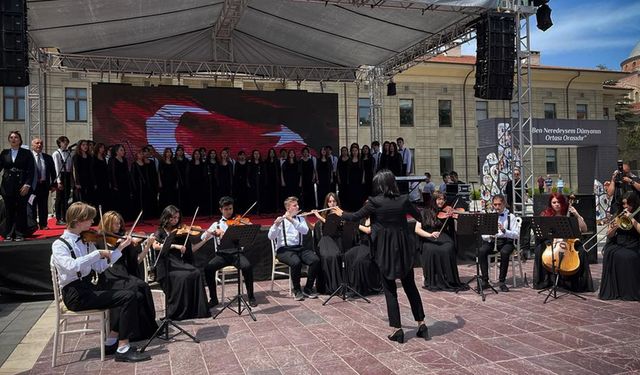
<point>495,56</point>
<point>14,49</point>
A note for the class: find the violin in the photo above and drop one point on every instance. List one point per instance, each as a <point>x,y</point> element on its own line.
<point>449,211</point>
<point>238,220</point>
<point>185,230</point>
<point>112,239</point>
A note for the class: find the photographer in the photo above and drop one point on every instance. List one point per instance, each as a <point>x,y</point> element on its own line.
<point>622,181</point>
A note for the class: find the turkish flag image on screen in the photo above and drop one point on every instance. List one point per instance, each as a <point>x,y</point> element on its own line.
<point>213,118</point>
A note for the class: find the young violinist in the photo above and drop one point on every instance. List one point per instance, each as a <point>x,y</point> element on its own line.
<point>222,259</point>
<point>287,230</point>
<point>508,230</point>
<point>180,280</point>
<point>581,281</point>
<point>125,273</point>
<point>436,229</point>
<point>76,263</point>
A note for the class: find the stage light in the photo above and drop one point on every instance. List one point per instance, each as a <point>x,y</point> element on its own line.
<point>543,16</point>
<point>391,89</point>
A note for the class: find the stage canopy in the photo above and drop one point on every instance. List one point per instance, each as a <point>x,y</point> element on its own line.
<point>338,34</point>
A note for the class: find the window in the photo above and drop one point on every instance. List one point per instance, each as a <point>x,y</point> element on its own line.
<point>446,160</point>
<point>364,111</point>
<point>581,111</point>
<point>14,106</point>
<point>482,111</point>
<point>605,113</point>
<point>76,104</point>
<point>550,110</point>
<point>444,113</point>
<point>552,160</point>
<point>406,112</point>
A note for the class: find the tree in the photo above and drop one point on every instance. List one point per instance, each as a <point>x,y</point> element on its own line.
<point>628,130</point>
<point>602,67</point>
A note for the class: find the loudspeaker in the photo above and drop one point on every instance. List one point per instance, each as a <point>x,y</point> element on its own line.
<point>391,89</point>
<point>495,56</point>
<point>14,60</point>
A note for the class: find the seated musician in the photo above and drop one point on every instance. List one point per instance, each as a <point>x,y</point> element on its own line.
<point>222,259</point>
<point>581,281</point>
<point>508,230</point>
<point>76,263</point>
<point>125,273</point>
<point>621,261</point>
<point>329,249</point>
<point>363,273</point>
<point>439,264</point>
<point>180,280</point>
<point>287,231</point>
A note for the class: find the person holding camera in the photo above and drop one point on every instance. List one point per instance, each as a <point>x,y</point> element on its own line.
<point>622,181</point>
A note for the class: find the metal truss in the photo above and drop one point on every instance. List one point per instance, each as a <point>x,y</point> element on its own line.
<point>225,24</point>
<point>203,69</point>
<point>398,4</point>
<point>376,98</point>
<point>34,113</point>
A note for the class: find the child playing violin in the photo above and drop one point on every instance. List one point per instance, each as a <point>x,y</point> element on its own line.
<point>223,259</point>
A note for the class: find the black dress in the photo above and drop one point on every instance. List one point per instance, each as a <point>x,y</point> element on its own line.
<point>224,178</point>
<point>329,249</point>
<point>325,171</point>
<point>291,176</point>
<point>82,177</point>
<point>240,189</point>
<point>621,267</point>
<point>212,188</point>
<point>196,182</point>
<point>354,186</point>
<point>181,282</point>
<point>169,180</point>
<point>394,164</point>
<point>367,169</point>
<point>184,199</point>
<point>141,188</point>
<point>438,256</point>
<point>308,192</point>
<point>126,273</point>
<point>362,271</point>
<point>342,169</point>
<point>271,189</point>
<point>120,189</point>
<point>100,178</point>
<point>255,185</point>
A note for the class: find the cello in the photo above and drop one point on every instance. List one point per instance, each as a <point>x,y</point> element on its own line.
<point>561,255</point>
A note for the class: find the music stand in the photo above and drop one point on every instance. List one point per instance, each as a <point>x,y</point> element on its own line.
<point>163,331</point>
<point>238,237</point>
<point>550,228</point>
<point>478,224</point>
<point>332,227</point>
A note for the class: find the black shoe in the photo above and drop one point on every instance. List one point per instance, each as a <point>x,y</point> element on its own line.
<point>8,239</point>
<point>253,302</point>
<point>298,296</point>
<point>309,293</point>
<point>19,239</point>
<point>423,331</point>
<point>485,284</point>
<point>397,336</point>
<point>504,287</point>
<point>213,303</point>
<point>132,355</point>
<point>111,349</point>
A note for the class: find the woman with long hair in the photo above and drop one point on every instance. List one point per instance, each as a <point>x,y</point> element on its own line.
<point>308,177</point>
<point>394,160</point>
<point>255,181</point>
<point>168,179</point>
<point>367,170</point>
<point>272,182</point>
<point>329,248</point>
<point>342,174</point>
<point>212,189</point>
<point>120,181</point>
<point>196,181</point>
<point>324,171</point>
<point>355,178</point>
<point>83,185</point>
<point>182,165</point>
<point>100,175</point>
<point>621,261</point>
<point>291,175</point>
<point>392,248</point>
<point>224,175</point>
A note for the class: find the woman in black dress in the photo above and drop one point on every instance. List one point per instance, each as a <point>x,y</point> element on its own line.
<point>291,175</point>
<point>329,249</point>
<point>367,170</point>
<point>100,176</point>
<point>168,179</point>
<point>140,184</point>
<point>255,181</point>
<point>342,174</point>
<point>212,188</point>
<point>384,157</point>
<point>394,160</point>
<point>581,281</point>
<point>271,189</point>
<point>224,174</point>
<point>83,185</point>
<point>127,273</point>
<point>362,272</point>
<point>240,183</point>
<point>196,181</point>
<point>308,177</point>
<point>621,261</point>
<point>324,171</point>
<point>439,264</point>
<point>182,164</point>
<point>119,181</point>
<point>392,248</point>
<point>355,177</point>
<point>181,282</point>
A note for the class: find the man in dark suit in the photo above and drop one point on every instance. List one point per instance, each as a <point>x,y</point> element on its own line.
<point>17,166</point>
<point>44,179</point>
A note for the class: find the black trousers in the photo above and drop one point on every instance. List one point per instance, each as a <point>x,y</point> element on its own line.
<point>222,260</point>
<point>16,211</point>
<point>62,196</point>
<point>391,296</point>
<point>295,259</point>
<point>40,206</point>
<point>81,295</point>
<point>505,247</point>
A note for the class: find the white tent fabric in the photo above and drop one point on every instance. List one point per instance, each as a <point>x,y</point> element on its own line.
<point>276,32</point>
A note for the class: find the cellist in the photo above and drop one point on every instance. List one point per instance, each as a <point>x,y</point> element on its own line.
<point>221,259</point>
<point>581,281</point>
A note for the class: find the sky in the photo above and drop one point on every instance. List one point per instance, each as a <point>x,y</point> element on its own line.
<point>585,33</point>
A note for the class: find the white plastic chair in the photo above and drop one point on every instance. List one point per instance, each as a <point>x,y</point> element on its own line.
<point>221,275</point>
<point>63,316</point>
<point>279,268</point>
<point>514,258</point>
<point>150,273</point>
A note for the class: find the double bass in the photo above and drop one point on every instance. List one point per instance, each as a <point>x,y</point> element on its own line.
<point>561,255</point>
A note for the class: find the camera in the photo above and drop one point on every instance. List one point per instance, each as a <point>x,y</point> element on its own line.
<point>620,173</point>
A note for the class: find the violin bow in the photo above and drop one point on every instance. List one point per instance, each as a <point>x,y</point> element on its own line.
<point>135,223</point>
<point>248,210</point>
<point>449,217</point>
<point>104,234</point>
<point>191,226</point>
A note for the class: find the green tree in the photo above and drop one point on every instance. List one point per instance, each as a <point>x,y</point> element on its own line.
<point>628,130</point>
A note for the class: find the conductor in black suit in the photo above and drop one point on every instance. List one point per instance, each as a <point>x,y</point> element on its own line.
<point>17,166</point>
<point>392,248</point>
<point>44,178</point>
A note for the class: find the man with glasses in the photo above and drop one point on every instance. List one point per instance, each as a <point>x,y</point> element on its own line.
<point>508,231</point>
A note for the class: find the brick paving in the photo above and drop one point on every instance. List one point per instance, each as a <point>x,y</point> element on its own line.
<point>510,333</point>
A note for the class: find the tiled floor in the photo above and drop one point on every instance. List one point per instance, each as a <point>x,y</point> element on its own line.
<point>510,333</point>
<point>16,319</point>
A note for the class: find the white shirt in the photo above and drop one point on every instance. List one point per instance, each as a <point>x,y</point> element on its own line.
<point>221,224</point>
<point>14,154</point>
<point>294,231</point>
<point>512,230</point>
<point>40,169</point>
<point>429,187</point>
<point>62,162</point>
<point>87,258</point>
<point>334,163</point>
<point>406,159</point>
